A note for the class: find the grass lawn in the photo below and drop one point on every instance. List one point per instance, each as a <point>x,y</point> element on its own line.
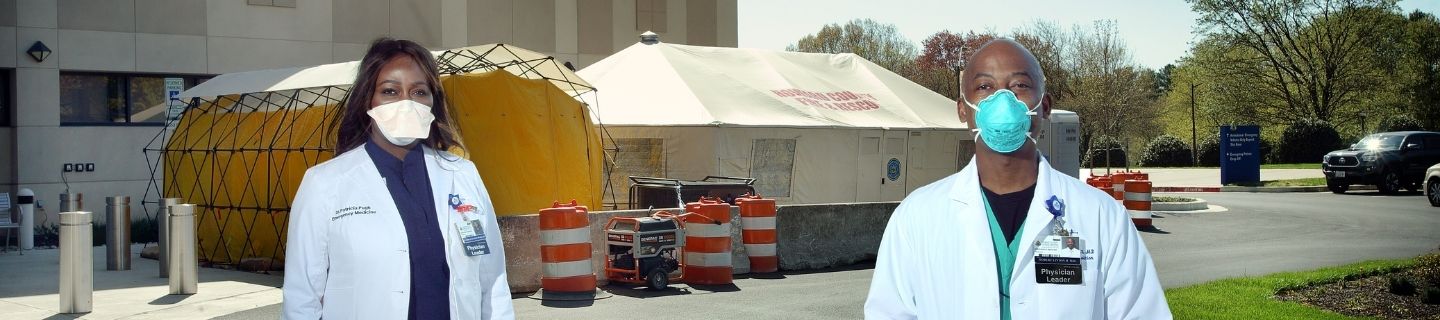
<point>1315,166</point>
<point>1252,297</point>
<point>1302,182</point>
<point>1173,199</point>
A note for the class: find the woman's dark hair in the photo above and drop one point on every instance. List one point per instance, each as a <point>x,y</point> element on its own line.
<point>354,124</point>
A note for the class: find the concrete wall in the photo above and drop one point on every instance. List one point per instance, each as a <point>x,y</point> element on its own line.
<point>827,235</point>
<point>810,237</point>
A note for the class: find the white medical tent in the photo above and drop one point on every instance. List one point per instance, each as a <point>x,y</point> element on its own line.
<point>811,128</point>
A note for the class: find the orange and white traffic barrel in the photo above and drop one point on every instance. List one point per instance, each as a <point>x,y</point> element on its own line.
<point>1138,201</point>
<point>757,232</point>
<point>1103,183</point>
<point>565,249</point>
<point>1117,183</point>
<point>707,243</point>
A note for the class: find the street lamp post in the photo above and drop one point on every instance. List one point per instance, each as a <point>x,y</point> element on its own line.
<point>958,89</point>
<point>1363,131</point>
<point>958,64</point>
<point>1194,137</point>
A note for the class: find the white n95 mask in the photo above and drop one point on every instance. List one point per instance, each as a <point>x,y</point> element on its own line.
<point>402,122</point>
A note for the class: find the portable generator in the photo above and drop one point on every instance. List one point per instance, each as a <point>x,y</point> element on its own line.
<point>645,250</point>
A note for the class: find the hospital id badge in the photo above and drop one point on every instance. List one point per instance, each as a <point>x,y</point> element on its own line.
<point>1059,246</point>
<point>1058,270</point>
<point>472,236</point>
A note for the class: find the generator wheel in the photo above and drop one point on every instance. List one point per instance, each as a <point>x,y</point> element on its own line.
<point>658,279</point>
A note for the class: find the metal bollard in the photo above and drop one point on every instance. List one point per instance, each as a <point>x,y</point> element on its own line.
<point>183,263</point>
<point>71,202</point>
<point>164,256</point>
<point>117,233</point>
<point>77,268</point>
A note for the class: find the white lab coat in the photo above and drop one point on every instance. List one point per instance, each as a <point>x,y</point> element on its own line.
<point>937,259</point>
<point>347,252</point>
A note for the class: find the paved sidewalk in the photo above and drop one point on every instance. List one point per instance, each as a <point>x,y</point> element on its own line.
<point>29,287</point>
<point>1178,177</point>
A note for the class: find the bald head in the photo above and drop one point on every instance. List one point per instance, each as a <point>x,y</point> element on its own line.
<point>1003,64</point>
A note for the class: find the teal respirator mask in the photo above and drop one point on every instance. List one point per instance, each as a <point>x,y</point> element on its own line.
<point>1003,121</point>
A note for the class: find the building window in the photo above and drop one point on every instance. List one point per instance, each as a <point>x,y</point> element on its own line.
<point>108,99</point>
<point>641,157</point>
<point>772,164</point>
<point>7,101</point>
<point>650,16</point>
<point>272,3</point>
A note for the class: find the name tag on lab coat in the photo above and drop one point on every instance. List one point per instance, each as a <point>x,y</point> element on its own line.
<point>472,236</point>
<point>1057,261</point>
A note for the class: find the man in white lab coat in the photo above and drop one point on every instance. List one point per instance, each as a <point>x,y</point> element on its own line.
<point>988,242</point>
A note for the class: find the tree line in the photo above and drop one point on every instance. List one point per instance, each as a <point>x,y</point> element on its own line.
<point>1354,66</point>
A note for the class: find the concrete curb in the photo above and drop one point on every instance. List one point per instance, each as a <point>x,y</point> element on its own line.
<point>1198,204</point>
<point>1286,189</point>
<point>1254,189</point>
<point>1186,189</point>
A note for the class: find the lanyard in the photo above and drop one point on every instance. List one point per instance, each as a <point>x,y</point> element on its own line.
<point>1004,257</point>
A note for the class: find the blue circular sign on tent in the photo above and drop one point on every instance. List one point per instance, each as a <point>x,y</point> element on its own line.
<point>892,169</point>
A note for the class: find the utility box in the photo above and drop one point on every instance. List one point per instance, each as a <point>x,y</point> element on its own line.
<point>1059,141</point>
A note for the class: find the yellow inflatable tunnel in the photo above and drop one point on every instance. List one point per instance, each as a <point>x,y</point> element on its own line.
<point>241,165</point>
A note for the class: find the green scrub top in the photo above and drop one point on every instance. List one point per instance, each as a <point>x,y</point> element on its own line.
<point>1004,257</point>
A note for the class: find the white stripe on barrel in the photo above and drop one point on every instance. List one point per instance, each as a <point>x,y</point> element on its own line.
<point>701,259</point>
<point>760,250</point>
<point>757,223</point>
<point>567,269</point>
<point>707,230</point>
<point>564,236</point>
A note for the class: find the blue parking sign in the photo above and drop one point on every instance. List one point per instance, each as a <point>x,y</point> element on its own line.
<point>1239,154</point>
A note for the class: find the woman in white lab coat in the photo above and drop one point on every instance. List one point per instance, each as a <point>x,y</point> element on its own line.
<point>395,226</point>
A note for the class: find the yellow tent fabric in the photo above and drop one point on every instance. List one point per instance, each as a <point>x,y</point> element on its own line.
<point>241,170</point>
<point>532,144</point>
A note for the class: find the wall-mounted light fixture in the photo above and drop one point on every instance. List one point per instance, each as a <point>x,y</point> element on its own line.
<point>39,51</point>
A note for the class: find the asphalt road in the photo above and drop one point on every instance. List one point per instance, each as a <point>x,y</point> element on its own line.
<point>1258,234</point>
<point>1268,233</point>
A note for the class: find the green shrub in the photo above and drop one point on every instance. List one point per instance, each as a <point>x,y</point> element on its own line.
<point>47,236</point>
<point>145,230</point>
<point>98,237</point>
<point>1097,156</point>
<point>1399,123</point>
<point>1208,153</point>
<point>1427,270</point>
<point>1307,141</point>
<point>1268,155</point>
<point>141,231</point>
<point>1166,151</point>
<point>1401,285</point>
<point>1173,199</point>
<point>1431,295</point>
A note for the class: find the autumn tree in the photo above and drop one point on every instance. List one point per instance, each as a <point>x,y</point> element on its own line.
<point>943,56</point>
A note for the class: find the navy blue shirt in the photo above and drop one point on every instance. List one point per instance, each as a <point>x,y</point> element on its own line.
<point>409,185</point>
